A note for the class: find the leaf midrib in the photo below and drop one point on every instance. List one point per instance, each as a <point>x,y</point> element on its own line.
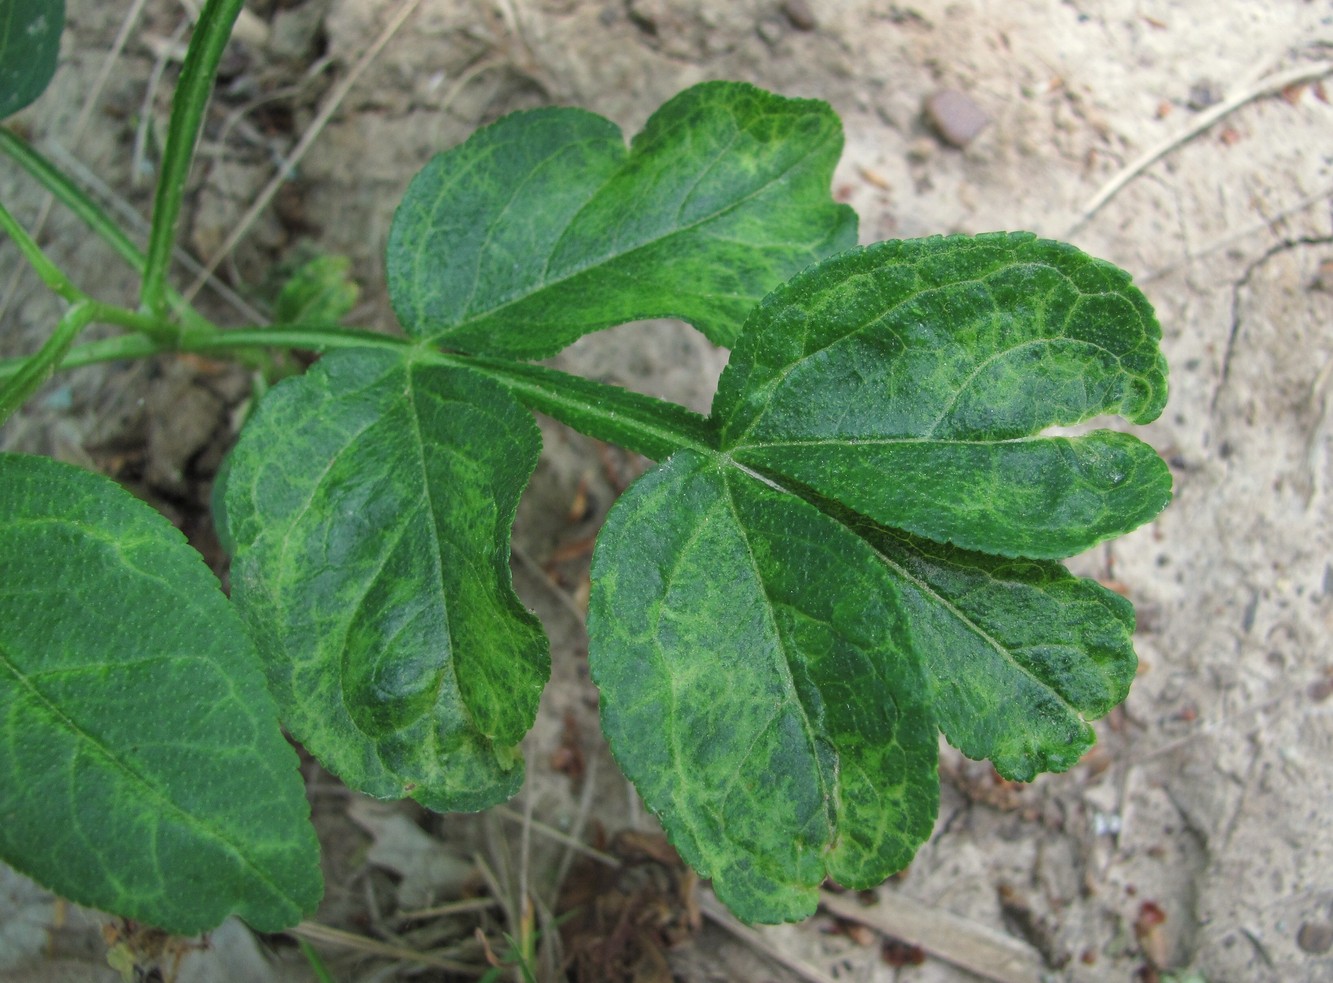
<point>475,317</point>
<point>827,793</point>
<point>999,647</point>
<point>155,793</point>
<point>850,441</point>
<point>923,586</point>
<point>776,381</point>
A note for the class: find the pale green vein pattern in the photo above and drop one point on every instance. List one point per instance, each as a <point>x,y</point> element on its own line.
<point>542,227</point>
<point>758,687</point>
<point>1020,654</point>
<point>371,502</point>
<point>142,770</point>
<point>911,381</point>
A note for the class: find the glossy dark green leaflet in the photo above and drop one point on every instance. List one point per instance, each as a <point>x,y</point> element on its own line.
<point>142,770</point>
<point>543,227</point>
<point>371,502</point>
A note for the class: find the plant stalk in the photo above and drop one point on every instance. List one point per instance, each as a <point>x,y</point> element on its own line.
<point>643,424</point>
<point>51,274</point>
<point>86,209</point>
<point>211,33</point>
<point>38,368</point>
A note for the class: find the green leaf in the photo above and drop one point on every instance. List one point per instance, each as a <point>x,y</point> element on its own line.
<point>757,687</point>
<point>29,47</point>
<point>542,227</point>
<point>371,502</point>
<point>777,626</point>
<point>142,770</point>
<point>911,382</point>
<point>320,292</point>
<point>1020,654</point>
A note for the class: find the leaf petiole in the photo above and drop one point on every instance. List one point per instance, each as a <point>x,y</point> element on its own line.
<point>86,209</point>
<point>643,424</point>
<point>52,275</point>
<point>39,367</point>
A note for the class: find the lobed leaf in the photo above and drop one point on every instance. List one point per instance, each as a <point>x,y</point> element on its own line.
<point>778,627</point>
<point>542,227</point>
<point>29,49</point>
<point>758,688</point>
<point>371,502</point>
<point>142,770</point>
<point>1019,654</point>
<point>911,382</point>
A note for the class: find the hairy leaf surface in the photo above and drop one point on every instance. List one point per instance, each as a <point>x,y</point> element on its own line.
<point>911,382</point>
<point>142,770</point>
<point>371,502</point>
<point>778,627</point>
<point>29,47</point>
<point>758,687</point>
<point>1019,654</point>
<point>542,227</point>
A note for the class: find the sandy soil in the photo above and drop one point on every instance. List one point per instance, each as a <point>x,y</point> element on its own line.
<point>1195,838</point>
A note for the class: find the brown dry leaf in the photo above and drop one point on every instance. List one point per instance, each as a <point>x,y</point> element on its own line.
<point>980,783</point>
<point>567,759</point>
<point>897,953</point>
<point>429,869</point>
<point>579,505</point>
<point>622,920</point>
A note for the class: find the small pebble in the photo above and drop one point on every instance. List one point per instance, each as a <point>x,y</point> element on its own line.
<point>955,116</point>
<point>1323,280</point>
<point>1204,93</point>
<point>921,150</point>
<point>770,29</point>
<point>1315,938</point>
<point>799,13</point>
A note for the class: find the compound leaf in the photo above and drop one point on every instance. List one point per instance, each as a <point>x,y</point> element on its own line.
<point>911,382</point>
<point>371,502</point>
<point>779,625</point>
<point>142,770</point>
<point>29,47</point>
<point>542,227</point>
<point>758,687</point>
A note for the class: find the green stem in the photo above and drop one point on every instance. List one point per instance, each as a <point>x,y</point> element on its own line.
<point>38,368</point>
<point>187,113</point>
<point>84,208</point>
<point>316,963</point>
<point>646,425</point>
<point>51,274</point>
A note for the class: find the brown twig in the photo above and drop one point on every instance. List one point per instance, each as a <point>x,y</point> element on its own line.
<point>724,919</point>
<point>315,932</point>
<point>326,111</point>
<point>1272,85</point>
<point>976,948</point>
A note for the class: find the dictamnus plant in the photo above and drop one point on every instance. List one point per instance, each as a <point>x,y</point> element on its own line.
<point>857,549</point>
